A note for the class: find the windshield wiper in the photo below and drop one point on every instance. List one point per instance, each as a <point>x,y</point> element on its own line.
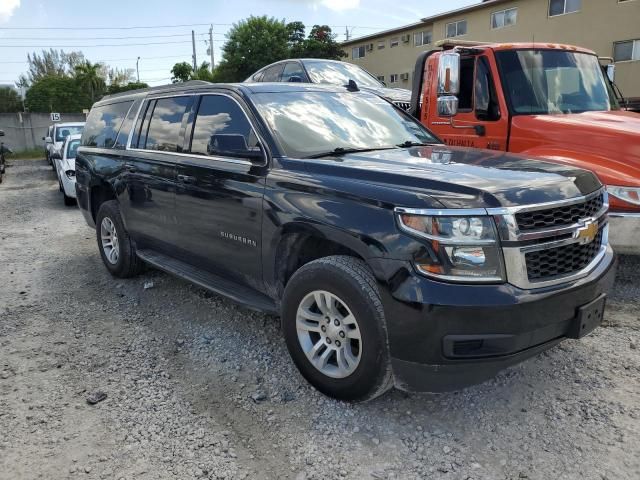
<point>336,152</point>
<point>410,143</point>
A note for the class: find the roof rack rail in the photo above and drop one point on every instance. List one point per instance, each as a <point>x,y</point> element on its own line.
<point>168,86</point>
<point>449,43</point>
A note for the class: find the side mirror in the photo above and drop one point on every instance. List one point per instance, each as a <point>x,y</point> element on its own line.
<point>611,72</point>
<point>448,84</point>
<point>56,156</point>
<point>447,106</point>
<point>48,140</point>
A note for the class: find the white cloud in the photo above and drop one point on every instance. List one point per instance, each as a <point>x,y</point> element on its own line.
<point>339,5</point>
<point>7,7</point>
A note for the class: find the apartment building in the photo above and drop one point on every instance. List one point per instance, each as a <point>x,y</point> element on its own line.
<point>609,27</point>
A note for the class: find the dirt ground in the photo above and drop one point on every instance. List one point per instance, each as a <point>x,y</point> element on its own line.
<point>198,387</point>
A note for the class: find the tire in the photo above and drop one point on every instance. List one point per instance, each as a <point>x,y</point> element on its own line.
<point>350,281</point>
<point>126,263</point>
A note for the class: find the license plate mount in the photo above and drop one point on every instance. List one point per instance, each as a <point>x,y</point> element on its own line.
<point>589,317</point>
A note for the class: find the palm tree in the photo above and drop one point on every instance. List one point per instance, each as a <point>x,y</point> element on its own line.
<point>88,76</point>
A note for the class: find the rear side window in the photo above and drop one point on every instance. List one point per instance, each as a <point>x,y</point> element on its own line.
<point>221,128</point>
<point>163,130</point>
<point>272,74</point>
<point>123,135</point>
<point>103,124</point>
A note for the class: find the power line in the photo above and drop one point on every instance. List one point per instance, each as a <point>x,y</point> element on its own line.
<point>115,28</point>
<point>107,38</point>
<point>115,59</point>
<point>101,45</point>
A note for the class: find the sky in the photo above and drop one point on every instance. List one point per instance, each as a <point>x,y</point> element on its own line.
<point>109,32</point>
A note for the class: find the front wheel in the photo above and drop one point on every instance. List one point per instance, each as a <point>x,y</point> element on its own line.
<point>335,329</point>
<point>116,247</point>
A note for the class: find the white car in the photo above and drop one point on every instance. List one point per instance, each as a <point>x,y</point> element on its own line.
<point>56,136</point>
<point>65,166</point>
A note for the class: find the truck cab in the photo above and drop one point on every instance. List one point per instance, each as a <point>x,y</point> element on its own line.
<point>544,100</point>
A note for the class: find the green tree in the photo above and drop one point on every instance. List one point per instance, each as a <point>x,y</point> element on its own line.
<point>321,43</point>
<point>181,72</point>
<point>10,101</point>
<point>89,78</point>
<point>56,94</point>
<point>51,63</point>
<point>251,44</point>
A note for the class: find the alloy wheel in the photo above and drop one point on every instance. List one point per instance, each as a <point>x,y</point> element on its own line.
<point>329,334</point>
<point>109,236</point>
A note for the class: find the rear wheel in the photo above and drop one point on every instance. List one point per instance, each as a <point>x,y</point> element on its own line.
<point>116,247</point>
<point>335,330</point>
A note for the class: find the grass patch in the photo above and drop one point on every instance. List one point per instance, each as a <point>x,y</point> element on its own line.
<point>31,154</point>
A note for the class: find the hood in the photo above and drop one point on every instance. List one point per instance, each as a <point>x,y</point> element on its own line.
<point>462,177</point>
<point>393,94</point>
<point>57,145</point>
<point>609,141</point>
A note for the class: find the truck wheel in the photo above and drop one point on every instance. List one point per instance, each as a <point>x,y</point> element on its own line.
<point>116,248</point>
<point>335,329</point>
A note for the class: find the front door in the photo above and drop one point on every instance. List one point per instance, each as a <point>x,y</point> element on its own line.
<point>482,119</point>
<point>149,175</point>
<point>220,190</point>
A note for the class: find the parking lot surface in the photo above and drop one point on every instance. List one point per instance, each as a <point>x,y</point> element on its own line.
<point>198,387</point>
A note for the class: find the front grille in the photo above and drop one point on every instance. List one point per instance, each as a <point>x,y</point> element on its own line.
<point>546,264</point>
<point>559,216</point>
<point>403,105</point>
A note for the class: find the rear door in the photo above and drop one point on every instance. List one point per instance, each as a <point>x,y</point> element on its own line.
<point>220,190</point>
<point>149,175</point>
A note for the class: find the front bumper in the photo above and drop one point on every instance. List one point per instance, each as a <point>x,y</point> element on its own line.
<point>445,337</point>
<point>624,232</point>
<point>68,184</point>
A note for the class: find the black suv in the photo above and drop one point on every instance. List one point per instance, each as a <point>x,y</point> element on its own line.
<point>391,258</point>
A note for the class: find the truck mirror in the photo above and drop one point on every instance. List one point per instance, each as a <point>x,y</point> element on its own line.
<point>449,74</point>
<point>611,72</point>
<point>448,106</point>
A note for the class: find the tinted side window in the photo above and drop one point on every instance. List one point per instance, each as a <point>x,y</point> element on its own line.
<point>272,74</point>
<point>164,127</point>
<point>123,135</point>
<point>221,128</point>
<point>293,69</point>
<point>465,98</point>
<point>103,124</point>
<point>258,76</point>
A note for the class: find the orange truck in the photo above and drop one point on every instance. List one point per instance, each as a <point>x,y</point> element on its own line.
<point>538,99</point>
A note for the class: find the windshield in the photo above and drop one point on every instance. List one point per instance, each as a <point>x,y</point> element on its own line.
<point>72,148</point>
<point>553,81</point>
<point>310,123</point>
<point>339,74</point>
<point>64,132</point>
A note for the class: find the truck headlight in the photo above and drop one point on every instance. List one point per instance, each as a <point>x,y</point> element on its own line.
<point>463,248</point>
<point>71,174</point>
<point>626,194</point>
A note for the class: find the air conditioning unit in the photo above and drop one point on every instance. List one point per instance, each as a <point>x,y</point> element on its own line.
<point>404,76</point>
<point>369,47</point>
<point>406,38</point>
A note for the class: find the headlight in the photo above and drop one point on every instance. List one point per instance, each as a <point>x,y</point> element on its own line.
<point>626,194</point>
<point>71,174</point>
<point>463,248</point>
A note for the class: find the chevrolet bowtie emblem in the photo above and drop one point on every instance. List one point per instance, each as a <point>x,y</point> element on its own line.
<point>587,233</point>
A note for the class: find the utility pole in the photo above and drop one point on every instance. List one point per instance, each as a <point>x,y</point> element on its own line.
<point>211,46</point>
<point>346,33</point>
<point>138,69</point>
<point>193,43</point>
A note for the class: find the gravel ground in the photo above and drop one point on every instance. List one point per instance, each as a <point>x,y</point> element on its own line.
<point>198,387</point>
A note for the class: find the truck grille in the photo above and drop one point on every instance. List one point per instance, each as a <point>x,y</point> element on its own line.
<point>546,264</point>
<point>559,216</point>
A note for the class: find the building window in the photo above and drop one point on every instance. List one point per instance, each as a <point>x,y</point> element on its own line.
<point>357,52</point>
<point>560,7</point>
<point>504,18</point>
<point>626,51</point>
<point>380,78</point>
<point>422,38</point>
<point>456,29</point>
<point>393,78</point>
<point>395,41</point>
<point>381,44</point>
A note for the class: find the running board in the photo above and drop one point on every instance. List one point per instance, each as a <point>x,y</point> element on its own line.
<point>234,291</point>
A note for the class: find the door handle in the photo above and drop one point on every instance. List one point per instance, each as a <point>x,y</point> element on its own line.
<point>186,179</point>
